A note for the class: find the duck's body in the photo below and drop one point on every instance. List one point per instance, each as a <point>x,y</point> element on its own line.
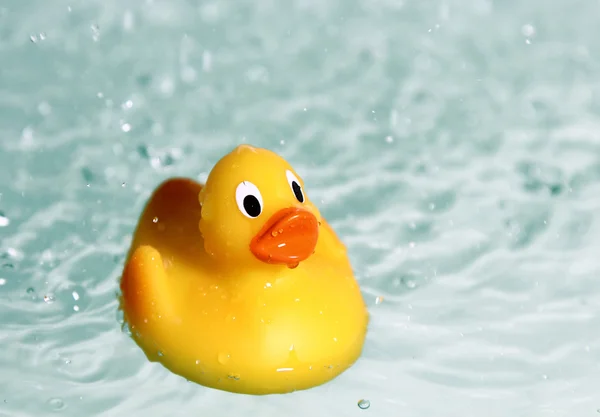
<point>254,324</point>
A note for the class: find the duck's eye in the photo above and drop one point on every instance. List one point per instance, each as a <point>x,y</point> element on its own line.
<point>295,185</point>
<point>248,199</point>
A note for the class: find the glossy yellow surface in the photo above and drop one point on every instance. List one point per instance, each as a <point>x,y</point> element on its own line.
<point>200,301</point>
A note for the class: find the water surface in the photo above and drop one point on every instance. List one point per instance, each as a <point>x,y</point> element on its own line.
<point>454,146</point>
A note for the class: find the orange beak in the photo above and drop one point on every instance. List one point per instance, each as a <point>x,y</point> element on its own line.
<point>288,237</point>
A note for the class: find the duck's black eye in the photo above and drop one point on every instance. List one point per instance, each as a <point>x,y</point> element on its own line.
<point>295,185</point>
<point>249,199</point>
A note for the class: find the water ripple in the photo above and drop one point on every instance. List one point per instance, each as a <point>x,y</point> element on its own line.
<point>453,145</point>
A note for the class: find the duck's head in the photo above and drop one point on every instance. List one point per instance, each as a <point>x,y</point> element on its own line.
<point>254,209</point>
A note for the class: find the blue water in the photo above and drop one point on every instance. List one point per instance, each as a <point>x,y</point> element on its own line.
<point>453,145</point>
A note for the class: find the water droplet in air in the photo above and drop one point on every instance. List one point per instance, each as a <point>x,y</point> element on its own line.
<point>4,221</point>
<point>56,404</point>
<point>75,295</point>
<point>48,299</point>
<point>379,300</point>
<point>44,108</point>
<point>76,308</point>
<point>95,32</point>
<point>40,37</point>
<point>389,139</point>
<point>223,358</point>
<point>528,30</point>
<point>364,404</point>
<point>2,281</point>
<point>127,105</point>
<point>206,61</point>
<point>125,127</point>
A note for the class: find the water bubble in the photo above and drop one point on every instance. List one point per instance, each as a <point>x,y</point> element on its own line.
<point>4,221</point>
<point>30,290</point>
<point>409,283</point>
<point>364,404</point>
<point>125,328</point>
<point>56,404</point>
<point>48,299</point>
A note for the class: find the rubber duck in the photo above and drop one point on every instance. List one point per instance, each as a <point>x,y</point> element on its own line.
<point>240,284</point>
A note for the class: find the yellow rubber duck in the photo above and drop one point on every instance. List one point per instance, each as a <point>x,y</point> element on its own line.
<point>240,284</point>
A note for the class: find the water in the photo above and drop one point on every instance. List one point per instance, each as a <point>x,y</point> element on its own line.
<point>453,145</point>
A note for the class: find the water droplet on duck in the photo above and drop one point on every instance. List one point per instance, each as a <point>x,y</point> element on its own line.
<point>274,233</point>
<point>293,266</point>
<point>160,353</point>
<point>223,358</point>
<point>155,220</point>
<point>364,404</point>
<point>234,377</point>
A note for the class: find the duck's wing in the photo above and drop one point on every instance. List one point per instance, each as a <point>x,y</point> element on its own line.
<point>167,234</point>
<point>169,222</point>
